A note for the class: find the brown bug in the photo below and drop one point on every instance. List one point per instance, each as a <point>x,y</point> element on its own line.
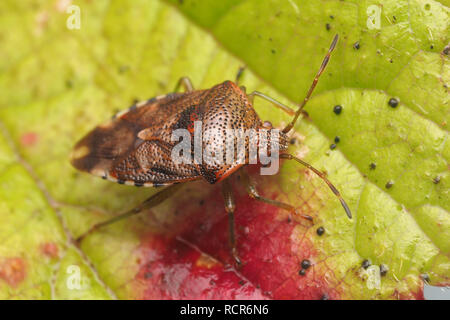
<point>135,146</point>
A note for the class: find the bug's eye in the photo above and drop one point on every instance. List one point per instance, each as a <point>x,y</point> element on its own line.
<point>267,124</point>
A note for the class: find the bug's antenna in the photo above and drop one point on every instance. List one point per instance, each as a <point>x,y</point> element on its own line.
<point>313,85</point>
<point>323,177</point>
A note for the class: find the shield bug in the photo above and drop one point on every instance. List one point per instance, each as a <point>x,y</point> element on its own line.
<point>135,146</point>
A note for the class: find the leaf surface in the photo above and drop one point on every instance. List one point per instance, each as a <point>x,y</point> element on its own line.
<point>60,83</point>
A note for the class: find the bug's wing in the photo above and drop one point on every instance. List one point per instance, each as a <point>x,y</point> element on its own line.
<point>150,164</point>
<point>114,151</point>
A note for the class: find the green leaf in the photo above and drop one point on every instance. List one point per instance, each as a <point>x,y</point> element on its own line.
<point>60,83</point>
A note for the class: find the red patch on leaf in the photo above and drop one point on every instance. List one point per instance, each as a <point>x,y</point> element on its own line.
<point>270,246</point>
<point>176,270</point>
<point>12,271</point>
<point>50,249</point>
<point>29,139</point>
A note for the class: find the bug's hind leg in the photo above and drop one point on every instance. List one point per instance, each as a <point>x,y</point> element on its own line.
<point>186,83</point>
<point>230,207</point>
<point>253,193</point>
<point>153,201</point>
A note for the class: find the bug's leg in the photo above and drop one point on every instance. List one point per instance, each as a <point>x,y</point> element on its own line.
<point>313,85</point>
<point>239,75</point>
<point>153,201</point>
<point>229,208</point>
<point>252,95</point>
<point>323,177</point>
<point>186,83</point>
<point>253,193</point>
<point>276,103</point>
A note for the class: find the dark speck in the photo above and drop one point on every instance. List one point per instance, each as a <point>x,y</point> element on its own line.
<point>365,264</point>
<point>356,45</point>
<point>324,297</point>
<point>302,272</point>
<point>425,277</point>
<point>333,146</point>
<point>320,231</point>
<point>293,141</point>
<point>383,269</point>
<point>123,69</point>
<point>337,139</point>
<point>436,180</point>
<point>446,50</point>
<point>393,102</point>
<point>306,264</point>
<point>241,282</point>
<point>328,26</point>
<point>337,109</point>
<point>120,181</point>
<point>69,84</point>
<point>273,51</point>
<point>389,184</point>
<point>372,166</point>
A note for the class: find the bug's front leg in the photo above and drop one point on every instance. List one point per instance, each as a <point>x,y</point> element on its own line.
<point>230,207</point>
<point>153,201</point>
<point>253,193</point>
<point>186,83</point>
<point>279,105</point>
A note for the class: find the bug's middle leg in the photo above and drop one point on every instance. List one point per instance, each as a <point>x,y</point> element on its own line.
<point>253,193</point>
<point>230,207</point>
<point>186,83</point>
